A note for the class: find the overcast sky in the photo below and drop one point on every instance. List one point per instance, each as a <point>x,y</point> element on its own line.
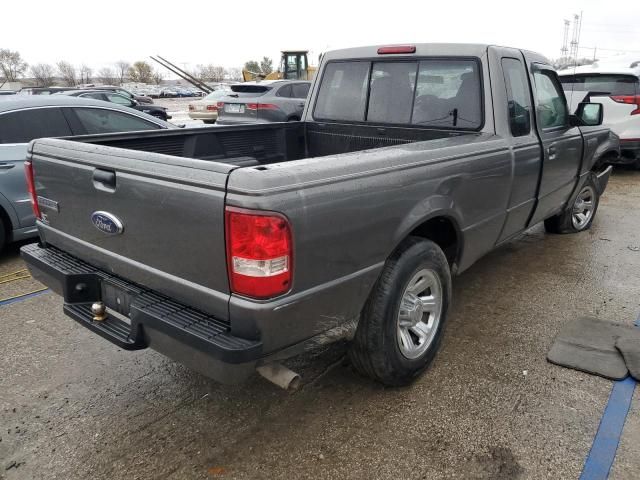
<point>231,32</point>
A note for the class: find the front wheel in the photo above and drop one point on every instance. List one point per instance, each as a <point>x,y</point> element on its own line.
<point>402,322</point>
<point>579,216</point>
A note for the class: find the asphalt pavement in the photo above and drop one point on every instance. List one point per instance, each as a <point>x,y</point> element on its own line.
<point>73,406</point>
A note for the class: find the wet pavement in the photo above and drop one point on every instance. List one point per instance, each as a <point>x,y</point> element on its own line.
<point>73,406</point>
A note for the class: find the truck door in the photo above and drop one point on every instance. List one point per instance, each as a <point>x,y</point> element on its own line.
<point>561,143</point>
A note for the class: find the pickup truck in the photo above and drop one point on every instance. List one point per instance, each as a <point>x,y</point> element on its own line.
<point>232,248</point>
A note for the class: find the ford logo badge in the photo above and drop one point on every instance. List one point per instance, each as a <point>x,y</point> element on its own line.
<point>107,223</point>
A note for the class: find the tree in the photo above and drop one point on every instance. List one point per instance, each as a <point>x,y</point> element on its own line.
<point>11,65</point>
<point>43,74</point>
<point>266,65</point>
<point>122,70</point>
<point>210,73</point>
<point>252,66</point>
<point>85,73</point>
<point>141,72</point>
<point>107,76</point>
<point>67,72</point>
<point>157,76</point>
<point>234,74</point>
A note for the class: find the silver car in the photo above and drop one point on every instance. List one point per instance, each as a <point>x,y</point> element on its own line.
<point>23,118</point>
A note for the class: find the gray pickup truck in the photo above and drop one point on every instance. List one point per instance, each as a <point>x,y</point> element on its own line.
<point>232,248</point>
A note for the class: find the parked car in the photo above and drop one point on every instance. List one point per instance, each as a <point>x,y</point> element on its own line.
<point>247,244</point>
<point>23,118</point>
<point>206,109</point>
<point>266,101</point>
<point>108,96</point>
<point>7,92</point>
<point>44,90</point>
<point>618,90</point>
<point>142,99</point>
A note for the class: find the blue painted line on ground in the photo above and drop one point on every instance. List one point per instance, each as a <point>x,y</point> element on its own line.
<point>23,297</point>
<point>605,444</point>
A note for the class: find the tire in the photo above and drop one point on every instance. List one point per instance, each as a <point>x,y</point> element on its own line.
<point>579,216</point>
<point>379,350</point>
<point>209,122</point>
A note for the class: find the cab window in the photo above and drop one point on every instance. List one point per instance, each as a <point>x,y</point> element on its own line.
<point>551,104</point>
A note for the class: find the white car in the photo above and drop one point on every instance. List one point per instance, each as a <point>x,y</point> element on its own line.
<point>206,109</point>
<point>617,88</point>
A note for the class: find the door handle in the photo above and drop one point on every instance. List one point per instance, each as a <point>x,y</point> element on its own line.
<point>551,151</point>
<point>104,179</point>
<point>7,166</point>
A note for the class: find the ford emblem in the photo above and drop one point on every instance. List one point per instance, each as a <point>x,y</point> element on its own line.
<point>107,223</point>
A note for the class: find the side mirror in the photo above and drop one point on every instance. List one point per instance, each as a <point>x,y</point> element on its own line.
<point>134,103</point>
<point>590,114</point>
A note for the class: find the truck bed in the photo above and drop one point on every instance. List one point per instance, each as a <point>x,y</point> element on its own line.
<point>254,145</point>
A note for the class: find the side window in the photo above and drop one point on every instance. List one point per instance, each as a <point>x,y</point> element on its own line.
<point>284,91</point>
<point>96,96</point>
<point>448,94</point>
<point>391,92</point>
<point>119,99</point>
<point>25,125</point>
<point>518,98</point>
<point>300,90</point>
<point>551,105</point>
<point>100,120</point>
<point>343,91</point>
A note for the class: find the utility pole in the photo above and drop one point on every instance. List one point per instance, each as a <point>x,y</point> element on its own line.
<point>565,38</point>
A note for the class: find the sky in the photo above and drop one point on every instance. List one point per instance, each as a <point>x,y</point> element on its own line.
<point>232,32</point>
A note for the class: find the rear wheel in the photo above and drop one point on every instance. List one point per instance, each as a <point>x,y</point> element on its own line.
<point>579,216</point>
<point>402,322</point>
<point>3,235</point>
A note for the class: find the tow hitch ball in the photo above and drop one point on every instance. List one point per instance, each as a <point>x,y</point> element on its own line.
<point>99,311</point>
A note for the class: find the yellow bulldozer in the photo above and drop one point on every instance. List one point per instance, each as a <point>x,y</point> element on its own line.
<point>294,65</point>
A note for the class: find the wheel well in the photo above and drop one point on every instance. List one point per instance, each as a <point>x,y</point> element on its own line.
<point>604,159</point>
<point>293,118</point>
<point>6,222</point>
<point>443,232</point>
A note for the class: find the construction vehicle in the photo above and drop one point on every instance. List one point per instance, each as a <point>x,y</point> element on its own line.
<point>294,65</point>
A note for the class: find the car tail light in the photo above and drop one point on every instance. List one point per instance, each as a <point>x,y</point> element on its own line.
<point>397,49</point>
<point>261,106</point>
<point>212,108</point>
<point>630,99</point>
<point>259,253</point>
<point>31,188</point>
<point>220,105</point>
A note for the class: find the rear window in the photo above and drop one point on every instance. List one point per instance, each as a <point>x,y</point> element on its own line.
<point>432,93</point>
<point>248,90</point>
<point>601,83</point>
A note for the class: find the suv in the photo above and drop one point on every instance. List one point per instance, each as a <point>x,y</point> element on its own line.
<point>266,101</point>
<point>618,89</point>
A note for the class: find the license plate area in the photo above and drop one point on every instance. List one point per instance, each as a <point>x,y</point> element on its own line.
<point>233,108</point>
<point>117,299</point>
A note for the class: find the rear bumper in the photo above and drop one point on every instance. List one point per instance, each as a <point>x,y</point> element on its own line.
<point>629,150</point>
<point>145,318</point>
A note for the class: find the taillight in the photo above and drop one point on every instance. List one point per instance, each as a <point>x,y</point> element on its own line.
<point>397,49</point>
<point>259,253</point>
<point>212,108</point>
<point>261,106</point>
<point>31,188</point>
<point>630,99</point>
<point>220,105</point>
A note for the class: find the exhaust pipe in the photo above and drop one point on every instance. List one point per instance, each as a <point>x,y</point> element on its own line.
<point>280,375</point>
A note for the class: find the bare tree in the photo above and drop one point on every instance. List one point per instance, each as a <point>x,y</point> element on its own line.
<point>141,72</point>
<point>157,76</point>
<point>234,74</point>
<point>43,74</point>
<point>210,73</point>
<point>107,76</point>
<point>67,72</point>
<point>122,70</point>
<point>11,65</point>
<point>85,73</point>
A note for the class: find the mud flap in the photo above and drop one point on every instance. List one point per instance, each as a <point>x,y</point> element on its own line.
<point>603,179</point>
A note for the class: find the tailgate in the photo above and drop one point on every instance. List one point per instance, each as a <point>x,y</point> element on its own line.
<point>153,219</point>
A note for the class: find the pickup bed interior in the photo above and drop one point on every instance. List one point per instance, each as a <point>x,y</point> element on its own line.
<point>262,144</point>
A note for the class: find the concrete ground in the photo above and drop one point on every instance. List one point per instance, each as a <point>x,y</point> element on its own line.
<point>73,406</point>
